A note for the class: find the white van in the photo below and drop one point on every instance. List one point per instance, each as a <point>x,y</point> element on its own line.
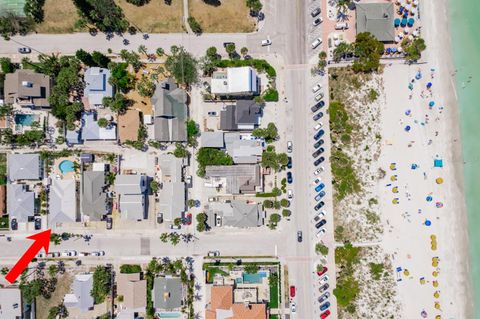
<point>341,26</point>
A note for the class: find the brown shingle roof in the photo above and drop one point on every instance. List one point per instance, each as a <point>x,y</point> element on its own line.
<point>128,125</point>
<point>133,290</point>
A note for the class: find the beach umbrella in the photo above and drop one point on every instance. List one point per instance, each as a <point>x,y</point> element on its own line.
<point>431,104</point>
<point>388,51</point>
<point>439,180</point>
<point>418,76</point>
<point>394,50</point>
<point>437,305</point>
<point>408,112</point>
<point>395,190</point>
<point>414,166</point>
<point>424,314</point>
<point>397,39</point>
<point>435,274</point>
<point>435,283</point>
<point>393,178</point>
<point>433,237</point>
<point>429,85</point>
<point>407,128</point>
<point>415,33</point>
<point>410,22</point>
<point>403,23</point>
<point>408,7</point>
<point>413,11</point>
<point>438,317</point>
<point>434,246</point>
<point>406,273</point>
<point>436,294</point>
<point>439,204</point>
<point>438,163</point>
<point>429,198</point>
<point>396,22</point>
<point>399,49</point>
<point>422,281</point>
<point>427,222</point>
<point>410,86</point>
<point>395,201</point>
<point>393,166</point>
<point>415,3</point>
<point>434,262</point>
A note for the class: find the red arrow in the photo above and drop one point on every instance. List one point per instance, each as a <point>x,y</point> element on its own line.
<point>41,240</point>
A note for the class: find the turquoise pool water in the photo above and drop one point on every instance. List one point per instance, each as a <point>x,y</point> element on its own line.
<point>169,315</point>
<point>66,166</point>
<point>253,278</point>
<point>24,119</point>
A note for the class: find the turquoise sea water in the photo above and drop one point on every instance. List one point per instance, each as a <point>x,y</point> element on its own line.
<point>465,28</point>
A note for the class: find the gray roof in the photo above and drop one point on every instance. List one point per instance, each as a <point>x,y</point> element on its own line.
<point>244,113</point>
<point>243,151</point>
<point>91,131</point>
<point>62,201</point>
<point>171,168</point>
<point>81,298</point>
<point>130,184</point>
<point>167,293</point>
<point>10,303</point>
<point>237,214</point>
<point>212,139</point>
<point>170,107</point>
<point>20,202</point>
<point>96,85</point>
<point>27,87</point>
<point>93,197</point>
<point>132,207</point>
<point>240,179</point>
<point>172,200</point>
<point>73,137</point>
<point>24,166</point>
<point>376,18</point>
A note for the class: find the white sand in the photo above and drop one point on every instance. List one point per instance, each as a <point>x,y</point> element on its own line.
<point>406,237</point>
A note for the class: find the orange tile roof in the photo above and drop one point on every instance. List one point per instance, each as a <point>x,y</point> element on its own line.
<point>128,125</point>
<point>222,298</point>
<point>3,122</point>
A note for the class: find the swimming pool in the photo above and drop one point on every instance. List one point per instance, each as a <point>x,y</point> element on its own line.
<point>253,278</point>
<point>24,119</point>
<point>169,315</point>
<point>66,166</point>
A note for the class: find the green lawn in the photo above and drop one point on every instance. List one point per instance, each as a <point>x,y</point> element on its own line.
<point>273,317</point>
<point>273,295</point>
<point>211,271</point>
<point>4,222</point>
<point>3,168</point>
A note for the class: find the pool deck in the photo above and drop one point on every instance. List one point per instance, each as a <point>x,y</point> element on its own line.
<point>55,170</point>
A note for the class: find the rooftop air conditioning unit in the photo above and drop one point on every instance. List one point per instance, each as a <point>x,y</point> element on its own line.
<point>27,84</point>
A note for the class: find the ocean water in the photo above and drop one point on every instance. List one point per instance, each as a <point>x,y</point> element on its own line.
<point>465,29</point>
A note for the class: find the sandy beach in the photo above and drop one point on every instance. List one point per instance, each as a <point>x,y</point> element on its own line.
<point>416,132</point>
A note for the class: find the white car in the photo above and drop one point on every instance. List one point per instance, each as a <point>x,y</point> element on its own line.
<point>321,232</point>
<point>318,171</point>
<point>289,146</point>
<point>266,42</point>
<point>41,255</point>
<point>290,194</point>
<point>323,280</point>
<point>318,126</point>
<point>214,253</point>
<point>316,88</point>
<point>293,307</point>
<point>69,253</point>
<point>98,253</point>
<point>316,43</point>
<point>317,21</point>
<point>319,97</point>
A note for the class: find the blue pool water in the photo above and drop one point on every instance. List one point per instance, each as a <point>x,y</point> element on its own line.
<point>253,278</point>
<point>24,119</point>
<point>66,166</point>
<point>169,315</point>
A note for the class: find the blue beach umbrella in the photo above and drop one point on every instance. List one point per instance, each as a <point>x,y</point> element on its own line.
<point>410,22</point>
<point>429,198</point>
<point>396,22</point>
<point>394,50</point>
<point>431,104</point>
<point>407,128</point>
<point>408,112</point>
<point>404,22</point>
<point>388,50</point>
<point>427,222</point>
<point>429,85</point>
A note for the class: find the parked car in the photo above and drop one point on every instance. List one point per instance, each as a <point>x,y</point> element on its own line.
<point>319,97</point>
<point>324,279</point>
<point>188,219</point>
<point>37,223</point>
<point>323,288</point>
<point>69,253</point>
<point>315,108</point>
<point>54,254</point>
<point>266,42</point>
<point>41,255</point>
<point>319,187</point>
<point>319,216</point>
<point>289,177</point>
<point>24,50</point>
<point>299,236</point>
<point>213,253</point>
<point>321,232</point>
<point>293,307</point>
<point>212,113</point>
<point>315,12</point>
<point>319,161</point>
<point>321,273</point>
<point>290,194</point>
<point>325,314</point>
<point>159,218</point>
<point>14,224</point>
<point>317,116</point>
<point>289,163</point>
<point>98,253</point>
<point>319,170</point>
<point>316,181</point>
<point>318,144</point>
<point>325,296</point>
<point>318,206</point>
<point>320,223</point>
<point>110,222</point>
<point>318,126</point>
<point>325,306</point>
<point>175,226</point>
<point>316,87</point>
<point>319,196</point>
<point>292,291</point>
<point>289,146</point>
<point>316,43</point>
<point>318,152</point>
<point>317,21</point>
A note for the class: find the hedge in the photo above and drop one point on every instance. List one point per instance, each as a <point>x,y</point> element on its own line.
<point>258,64</point>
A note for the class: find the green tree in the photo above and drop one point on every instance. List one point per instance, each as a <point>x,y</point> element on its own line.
<point>251,268</point>
<point>154,186</point>
<point>11,24</point>
<point>194,25</point>
<point>118,103</point>
<point>130,269</point>
<point>320,248</point>
<point>57,312</point>
<point>164,237</point>
<point>6,65</point>
<point>346,290</point>
<point>142,49</point>
<point>268,203</point>
<point>368,51</point>
<point>342,50</point>
<point>413,49</point>
<point>100,59</point>
<point>102,122</point>
<point>274,218</point>
<point>230,48</point>
<point>212,156</point>
<point>177,221</point>
<point>85,57</point>
<point>201,222</point>
<point>106,15</point>
<point>180,151</point>
<point>376,270</point>
<point>160,52</point>
<point>182,65</point>
<point>284,202</point>
<point>120,77</point>
<point>270,133</point>
<point>138,3</point>
<point>212,53</point>
<point>101,284</point>
<point>244,51</point>
<point>34,10</point>
<point>52,270</point>
<point>286,213</point>
<point>145,87</point>
<point>192,132</point>
<point>4,270</point>
<point>174,239</point>
<point>254,5</point>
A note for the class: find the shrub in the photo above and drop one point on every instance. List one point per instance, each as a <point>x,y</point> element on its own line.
<point>130,269</point>
<point>270,95</point>
<point>321,249</point>
<point>284,202</point>
<point>194,25</point>
<point>138,3</point>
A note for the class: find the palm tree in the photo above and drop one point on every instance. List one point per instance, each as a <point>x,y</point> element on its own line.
<point>142,49</point>
<point>160,52</point>
<point>244,51</point>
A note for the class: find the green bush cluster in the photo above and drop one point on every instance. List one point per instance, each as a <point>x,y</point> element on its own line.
<point>130,269</point>
<point>260,65</point>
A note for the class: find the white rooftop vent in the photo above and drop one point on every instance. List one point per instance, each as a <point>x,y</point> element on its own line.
<point>27,84</point>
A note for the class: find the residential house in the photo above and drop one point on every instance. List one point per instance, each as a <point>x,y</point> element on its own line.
<point>20,202</point>
<point>93,203</point>
<point>128,125</point>
<point>27,88</point>
<point>170,111</point>
<point>24,167</point>
<point>80,297</point>
<point>62,202</point>
<point>376,18</point>
<point>243,149</point>
<point>167,293</point>
<point>234,179</point>
<point>223,306</point>
<point>91,131</point>
<point>131,190</point>
<point>96,86</point>
<point>235,81</point>
<point>134,291</point>
<point>235,213</point>
<point>172,195</point>
<point>10,303</point>
<point>212,139</point>
<point>244,115</point>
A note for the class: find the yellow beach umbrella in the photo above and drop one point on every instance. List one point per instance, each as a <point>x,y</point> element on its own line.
<point>422,281</point>
<point>434,245</point>
<point>433,237</point>
<point>392,166</point>
<point>406,273</point>
<point>435,261</point>
<point>393,178</point>
<point>436,295</point>
<point>437,305</point>
<point>439,180</point>
<point>438,317</point>
<point>395,190</point>
<point>435,283</point>
<point>435,274</point>
<point>395,201</point>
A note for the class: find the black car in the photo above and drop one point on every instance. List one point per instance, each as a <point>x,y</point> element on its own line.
<point>289,177</point>
<point>318,152</point>
<point>317,106</point>
<point>299,236</point>
<point>109,222</point>
<point>247,57</point>
<point>318,206</point>
<point>289,163</point>
<point>320,223</point>
<point>315,12</point>
<point>319,161</point>
<point>317,21</point>
<point>318,144</point>
<point>323,288</point>
<point>14,224</point>
<point>319,134</point>
<point>317,116</point>
<point>38,223</point>
<point>323,297</point>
